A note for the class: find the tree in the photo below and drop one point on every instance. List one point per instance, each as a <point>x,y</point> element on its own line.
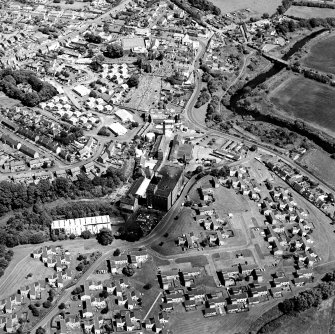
<point>104,131</point>
<point>147,286</point>
<point>253,148</point>
<point>93,94</point>
<point>61,306</point>
<point>114,51</point>
<point>265,16</point>
<point>80,267</point>
<point>133,81</point>
<point>128,271</point>
<point>72,236</point>
<point>86,234</point>
<point>117,252</point>
<point>40,330</point>
<point>47,304</point>
<point>103,294</point>
<point>105,237</point>
<point>77,290</point>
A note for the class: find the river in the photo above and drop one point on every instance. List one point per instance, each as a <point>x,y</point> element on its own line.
<point>276,68</point>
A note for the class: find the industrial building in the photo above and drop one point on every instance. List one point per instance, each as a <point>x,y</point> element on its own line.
<point>164,187</point>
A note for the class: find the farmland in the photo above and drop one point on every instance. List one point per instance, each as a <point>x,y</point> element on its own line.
<point>320,164</point>
<point>259,6</point>
<point>309,12</point>
<point>307,100</point>
<point>321,55</point>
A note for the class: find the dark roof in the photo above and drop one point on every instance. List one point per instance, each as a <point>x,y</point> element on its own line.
<point>170,177</point>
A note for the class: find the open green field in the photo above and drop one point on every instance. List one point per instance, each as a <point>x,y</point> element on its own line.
<point>7,102</point>
<point>194,322</point>
<point>320,164</point>
<point>197,261</point>
<point>307,100</point>
<point>184,224</point>
<point>321,55</point>
<point>302,12</point>
<point>260,6</point>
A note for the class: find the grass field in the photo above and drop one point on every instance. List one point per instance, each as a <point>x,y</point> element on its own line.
<point>197,261</point>
<point>17,278</point>
<point>307,100</point>
<point>259,6</point>
<point>320,164</point>
<point>147,274</point>
<point>184,224</point>
<point>321,55</point>
<point>194,322</point>
<point>309,12</point>
<point>7,102</point>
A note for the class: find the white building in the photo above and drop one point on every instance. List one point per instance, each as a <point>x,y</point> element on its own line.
<point>124,115</point>
<point>78,225</point>
<point>118,129</point>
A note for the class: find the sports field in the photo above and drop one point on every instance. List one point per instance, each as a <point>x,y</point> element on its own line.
<point>259,6</point>
<point>302,12</point>
<point>322,55</point>
<point>307,100</point>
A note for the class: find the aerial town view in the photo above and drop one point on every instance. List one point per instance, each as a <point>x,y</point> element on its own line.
<point>167,166</point>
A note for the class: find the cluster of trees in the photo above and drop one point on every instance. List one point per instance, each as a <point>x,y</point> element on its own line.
<point>213,110</point>
<point>203,98</point>
<point>41,91</point>
<point>285,5</point>
<point>91,38</point>
<point>5,258</point>
<point>114,50</point>
<point>32,226</point>
<point>83,209</point>
<point>69,136</point>
<point>206,6</point>
<point>194,13</point>
<point>50,31</point>
<point>314,4</point>
<point>26,227</point>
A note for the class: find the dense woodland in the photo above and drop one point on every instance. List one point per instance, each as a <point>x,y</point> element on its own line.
<point>26,87</point>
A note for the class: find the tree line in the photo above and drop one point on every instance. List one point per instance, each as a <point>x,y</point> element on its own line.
<point>290,26</point>
<point>314,4</point>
